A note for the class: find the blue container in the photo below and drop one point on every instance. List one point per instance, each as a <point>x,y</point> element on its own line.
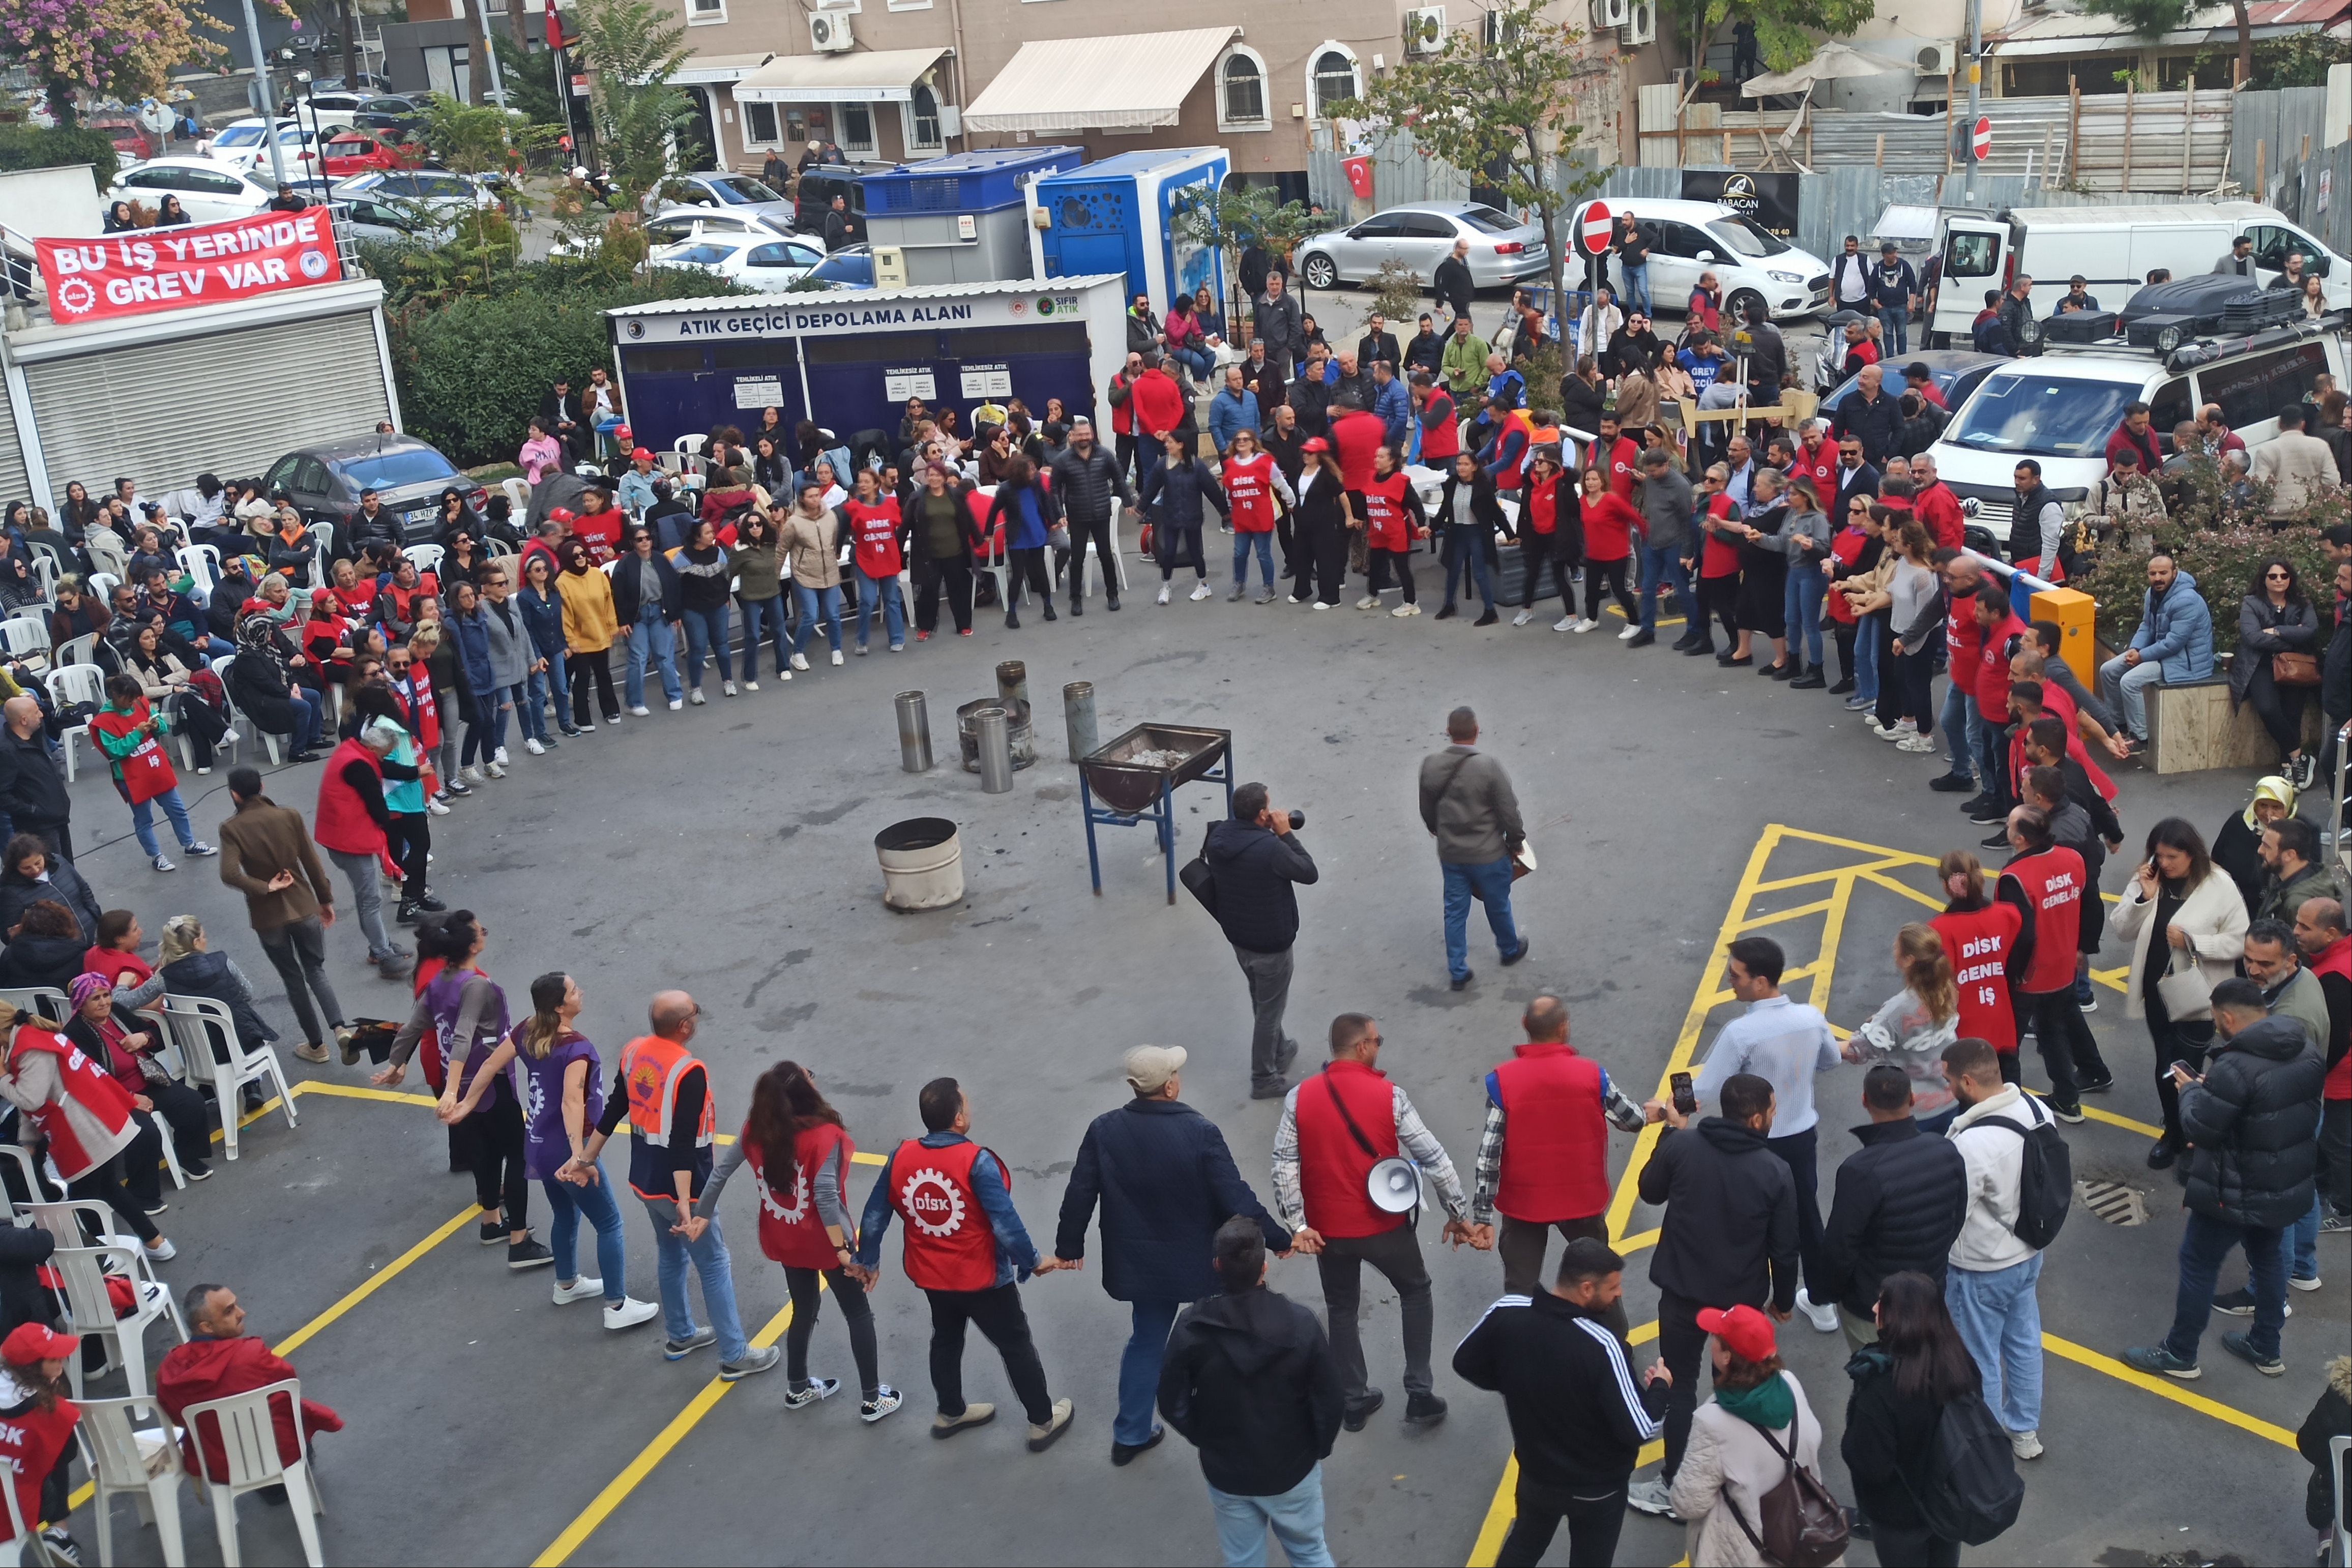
<point>1118,215</point>
<point>963,182</point>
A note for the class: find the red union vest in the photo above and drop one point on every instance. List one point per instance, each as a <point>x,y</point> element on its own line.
<point>790,1231</point>
<point>1979,943</point>
<point>1332,1166</point>
<point>146,772</point>
<point>1249,492</point>
<point>85,1083</point>
<point>2053,881</point>
<point>341,822</point>
<point>950,1246</point>
<point>1387,524</point>
<point>2335,959</point>
<point>1518,419</point>
<point>876,529</point>
<point>1992,667</point>
<point>1441,441</point>
<point>1555,1142</point>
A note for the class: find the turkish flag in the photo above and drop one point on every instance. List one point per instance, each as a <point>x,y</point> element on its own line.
<point>1359,176</point>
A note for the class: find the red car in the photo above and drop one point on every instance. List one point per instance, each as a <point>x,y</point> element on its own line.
<point>354,153</point>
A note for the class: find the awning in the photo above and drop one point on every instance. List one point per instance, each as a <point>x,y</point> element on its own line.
<point>1131,82</point>
<point>866,76</point>
<point>703,70</point>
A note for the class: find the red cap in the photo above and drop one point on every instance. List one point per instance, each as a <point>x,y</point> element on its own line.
<point>623,435</point>
<point>641,455</point>
<point>29,1342</point>
<point>562,515</point>
<point>1314,444</point>
<point>1746,1331</point>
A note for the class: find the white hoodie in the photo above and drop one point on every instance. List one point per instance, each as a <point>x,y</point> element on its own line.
<point>1994,1157</point>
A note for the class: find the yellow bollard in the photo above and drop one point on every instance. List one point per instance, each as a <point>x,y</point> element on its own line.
<point>2073,612</point>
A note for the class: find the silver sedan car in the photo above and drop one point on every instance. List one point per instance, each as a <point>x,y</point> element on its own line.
<point>737,193</point>
<point>1420,235</point>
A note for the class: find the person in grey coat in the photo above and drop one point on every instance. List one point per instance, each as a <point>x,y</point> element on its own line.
<point>1085,482</point>
<point>510,654</point>
<point>1467,806</point>
<point>1280,325</point>
<point>1663,495</point>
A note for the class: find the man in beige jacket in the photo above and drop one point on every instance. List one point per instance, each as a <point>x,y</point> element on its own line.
<point>2298,467</point>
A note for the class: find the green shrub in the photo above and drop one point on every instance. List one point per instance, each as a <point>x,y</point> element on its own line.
<point>33,147</point>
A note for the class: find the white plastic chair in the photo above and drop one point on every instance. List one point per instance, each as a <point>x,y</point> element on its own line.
<point>2339,1464</point>
<point>90,1310</point>
<point>81,650</point>
<point>12,1550</point>
<point>202,562</point>
<point>238,719</point>
<point>73,684</point>
<point>495,549</point>
<point>248,1440</point>
<point>48,566</point>
<point>26,637</point>
<point>43,1002</point>
<point>143,1463</point>
<point>198,1024</point>
<point>518,492</point>
<point>73,1220</point>
<point>103,585</point>
<point>424,558</point>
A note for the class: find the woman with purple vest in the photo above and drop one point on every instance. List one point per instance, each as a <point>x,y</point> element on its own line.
<point>469,1015</point>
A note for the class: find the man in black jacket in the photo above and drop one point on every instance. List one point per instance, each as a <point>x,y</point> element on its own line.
<point>2252,1120</point>
<point>1452,286</point>
<point>1166,1182</point>
<point>1085,482</point>
<point>1728,1238</point>
<point>1379,343</point>
<point>1249,1381</point>
<point>558,410</point>
<point>1577,1422</point>
<point>1253,860</point>
<point>1900,1201</point>
<point>1871,417</point>
<point>33,796</point>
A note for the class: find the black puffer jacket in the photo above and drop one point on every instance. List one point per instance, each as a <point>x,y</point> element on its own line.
<point>1249,1381</point>
<point>1255,869</point>
<point>1084,483</point>
<point>2253,1125</point>
<point>1730,1237</point>
<point>2336,665</point>
<point>1900,1201</point>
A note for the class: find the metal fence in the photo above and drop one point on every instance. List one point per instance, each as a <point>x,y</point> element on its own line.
<point>2317,193</point>
<point>2272,127</point>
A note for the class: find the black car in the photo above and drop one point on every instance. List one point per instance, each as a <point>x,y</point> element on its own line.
<point>409,476</point>
<point>812,198</point>
<point>1956,372</point>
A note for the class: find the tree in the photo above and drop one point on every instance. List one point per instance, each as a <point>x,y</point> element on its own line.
<point>2155,18</point>
<point>1495,102</point>
<point>1786,30</point>
<point>115,48</point>
<point>1233,215</point>
<point>634,47</point>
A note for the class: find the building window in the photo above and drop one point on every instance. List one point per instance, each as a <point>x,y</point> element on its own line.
<point>856,128</point>
<point>760,125</point>
<point>1331,78</point>
<point>1241,91</point>
<point>700,12</point>
<point>922,121</point>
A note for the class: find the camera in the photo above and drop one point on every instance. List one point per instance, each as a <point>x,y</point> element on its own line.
<point>1298,820</point>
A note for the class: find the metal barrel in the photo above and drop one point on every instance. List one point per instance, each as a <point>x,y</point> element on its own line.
<point>1012,684</point>
<point>914,732</point>
<point>1078,715</point>
<point>994,725</point>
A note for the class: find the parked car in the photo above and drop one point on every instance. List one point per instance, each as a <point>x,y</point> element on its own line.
<point>677,224</point>
<point>851,267</point>
<point>212,193</point>
<point>339,108</point>
<point>245,144</point>
<point>355,152</point>
<point>755,261</point>
<point>1956,373</point>
<point>813,197</point>
<point>130,141</point>
<point>437,189</point>
<point>324,482</point>
<point>1503,250</point>
<point>739,194</point>
<point>1749,262</point>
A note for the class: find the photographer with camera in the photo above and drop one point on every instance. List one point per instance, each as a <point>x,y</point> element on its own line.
<point>1253,860</point>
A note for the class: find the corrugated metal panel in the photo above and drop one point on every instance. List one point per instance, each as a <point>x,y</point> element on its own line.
<point>2277,121</point>
<point>1400,174</point>
<point>14,484</point>
<point>309,381</point>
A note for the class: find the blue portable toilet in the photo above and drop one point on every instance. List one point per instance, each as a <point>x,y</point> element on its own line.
<point>1118,215</point>
<point>961,218</point>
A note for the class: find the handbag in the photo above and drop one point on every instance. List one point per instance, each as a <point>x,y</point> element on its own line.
<point>2185,993</point>
<point>1803,1527</point>
<point>2289,669</point>
<point>1197,878</point>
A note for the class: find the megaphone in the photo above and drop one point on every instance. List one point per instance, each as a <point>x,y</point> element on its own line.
<point>1394,1185</point>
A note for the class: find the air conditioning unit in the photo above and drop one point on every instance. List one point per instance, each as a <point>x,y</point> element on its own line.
<point>829,33</point>
<point>1939,59</point>
<point>1424,30</point>
<point>1607,13</point>
<point>1641,24</point>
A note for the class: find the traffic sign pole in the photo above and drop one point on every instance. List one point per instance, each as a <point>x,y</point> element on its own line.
<point>1976,71</point>
<point>1594,226</point>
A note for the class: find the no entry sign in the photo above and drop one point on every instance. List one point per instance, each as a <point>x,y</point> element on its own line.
<point>1593,226</point>
<point>1981,138</point>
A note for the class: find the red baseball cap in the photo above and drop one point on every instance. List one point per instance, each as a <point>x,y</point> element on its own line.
<point>562,515</point>
<point>623,435</point>
<point>1314,444</point>
<point>1744,1331</point>
<point>29,1342</point>
<point>641,455</point>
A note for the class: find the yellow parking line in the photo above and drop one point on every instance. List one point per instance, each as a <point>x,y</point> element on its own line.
<point>1822,907</point>
<point>1636,1243</point>
<point>2166,1388</point>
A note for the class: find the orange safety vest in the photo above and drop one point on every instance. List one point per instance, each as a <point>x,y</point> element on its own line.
<point>652,1067</point>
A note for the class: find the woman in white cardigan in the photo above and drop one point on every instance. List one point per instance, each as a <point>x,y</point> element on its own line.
<point>2185,918</point>
<point>1731,1461</point>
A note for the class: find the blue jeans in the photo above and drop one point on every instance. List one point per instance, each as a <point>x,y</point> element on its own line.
<point>2203,1244</point>
<point>706,632</point>
<point>1658,568</point>
<point>1866,634</point>
<point>2000,1319</point>
<point>1467,556</point>
<point>1296,1516</point>
<point>552,681</point>
<point>1138,1370</point>
<point>1800,608</point>
<point>1493,881</point>
<point>143,821</point>
<point>2126,688</point>
<point>709,1259</point>
<point>1896,321</point>
<point>595,1201</point>
<point>2303,1239</point>
<point>1637,293</point>
<point>764,618</point>
<point>1201,362</point>
<point>1959,731</point>
<point>881,593</point>
<point>1990,742</point>
<point>1244,542</point>
<point>652,641</point>
<point>815,603</point>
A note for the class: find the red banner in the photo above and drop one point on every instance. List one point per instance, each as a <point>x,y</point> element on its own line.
<point>146,270</point>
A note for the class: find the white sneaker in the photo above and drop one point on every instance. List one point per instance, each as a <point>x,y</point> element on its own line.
<point>1823,1315</point>
<point>1633,630</point>
<point>694,696</point>
<point>630,1314</point>
<point>1523,617</point>
<point>1652,1497</point>
<point>640,711</point>
<point>1163,593</point>
<point>1200,591</point>
<point>229,736</point>
<point>163,862</point>
<point>1898,729</point>
<point>580,1290</point>
<point>470,773</point>
<point>1587,624</point>
<point>748,685</point>
<point>161,1251</point>
<point>436,808</point>
<point>836,657</point>
<point>728,688</point>
<point>800,660</point>
<point>500,757</point>
<point>1915,743</point>
<point>1369,602</point>
<point>532,746</point>
<point>1320,605</point>
<point>1404,610</point>
<point>1566,623</point>
<point>495,771</point>
<point>675,704</point>
<point>2025,1445</point>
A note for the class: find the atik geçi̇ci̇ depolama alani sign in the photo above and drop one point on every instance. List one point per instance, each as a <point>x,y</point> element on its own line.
<point>144,271</point>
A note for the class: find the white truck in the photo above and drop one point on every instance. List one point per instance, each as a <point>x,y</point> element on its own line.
<point>2114,249</point>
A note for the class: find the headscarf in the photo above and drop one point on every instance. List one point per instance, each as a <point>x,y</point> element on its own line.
<point>86,986</point>
<point>179,939</point>
<point>255,634</point>
<point>2274,788</point>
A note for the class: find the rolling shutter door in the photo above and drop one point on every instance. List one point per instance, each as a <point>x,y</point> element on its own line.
<point>229,403</point>
<point>14,485</point>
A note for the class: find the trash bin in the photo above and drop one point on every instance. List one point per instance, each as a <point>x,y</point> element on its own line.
<point>922,864</point>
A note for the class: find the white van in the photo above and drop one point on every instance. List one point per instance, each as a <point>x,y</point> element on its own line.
<point>2114,249</point>
<point>2059,408</point>
<point>1749,261</point>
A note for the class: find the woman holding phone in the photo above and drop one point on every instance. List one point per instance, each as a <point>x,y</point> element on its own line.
<point>2187,925</point>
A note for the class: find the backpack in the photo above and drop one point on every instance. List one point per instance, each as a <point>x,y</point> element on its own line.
<point>2046,1181</point>
<point>1976,1491</point>
<point>1803,1525</point>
